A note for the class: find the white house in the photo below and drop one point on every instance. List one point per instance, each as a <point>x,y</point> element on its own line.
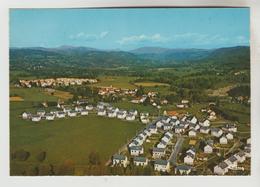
<point>208,149</point>
<point>130,117</point>
<point>162,144</point>
<point>192,133</point>
<point>78,108</point>
<point>133,112</point>
<point>41,112</point>
<point>89,107</point>
<point>26,115</point>
<point>230,127</point>
<point>136,150</point>
<point>36,118</point>
<point>204,130</point>
<point>179,129</point>
<point>231,162</point>
<point>134,143</point>
<point>120,160</point>
<point>158,152</point>
<point>167,126</point>
<point>66,109</point>
<point>189,158</point>
<point>241,156</point>
<point>121,114</point>
<point>230,136</point>
<point>166,139</point>
<point>50,116</point>
<point>223,140</point>
<point>140,161</point>
<point>111,113</point>
<point>84,112</point>
<point>247,152</point>
<point>100,106</point>
<point>192,119</point>
<point>159,124</point>
<point>248,141</point>
<point>183,169</point>
<point>205,123</point>
<point>168,134</point>
<point>72,113</point>
<point>152,129</point>
<point>221,168</point>
<point>217,132</point>
<point>101,112</point>
<point>61,114</point>
<point>161,165</point>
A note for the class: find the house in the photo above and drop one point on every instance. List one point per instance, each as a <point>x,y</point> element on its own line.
<point>133,112</point>
<point>144,120</point>
<point>223,140</point>
<point>158,152</point>
<point>120,160</point>
<point>231,162</point>
<point>89,107</point>
<point>66,109</point>
<point>78,108</point>
<point>130,117</point>
<point>248,141</point>
<point>205,123</point>
<point>247,151</point>
<point>192,133</point>
<point>36,118</point>
<point>217,132</point>
<point>161,165</point>
<point>180,105</point>
<point>121,114</point>
<point>100,106</point>
<point>221,168</point>
<point>159,124</point>
<point>230,127</point>
<point>162,144</point>
<point>230,136</point>
<point>241,156</point>
<point>183,169</point>
<point>72,113</point>
<point>179,129</point>
<point>134,143</point>
<point>101,112</point>
<point>84,112</point>
<point>192,119</point>
<point>82,101</point>
<point>41,112</point>
<point>50,116</point>
<point>184,101</point>
<point>136,150</point>
<point>208,149</point>
<point>189,158</point>
<point>168,134</point>
<point>61,114</point>
<point>204,130</point>
<point>167,126</point>
<point>147,132</point>
<point>111,113</point>
<point>26,115</point>
<point>140,161</point>
<point>166,139</point>
<point>152,129</point>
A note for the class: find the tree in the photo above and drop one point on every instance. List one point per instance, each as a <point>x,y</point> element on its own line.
<point>41,156</point>
<point>140,91</point>
<point>94,158</point>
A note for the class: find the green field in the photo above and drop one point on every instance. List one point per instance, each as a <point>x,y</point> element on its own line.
<point>64,139</point>
<point>116,81</point>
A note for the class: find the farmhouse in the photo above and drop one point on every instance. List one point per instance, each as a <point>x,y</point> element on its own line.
<point>223,140</point>
<point>192,133</point>
<point>120,160</point>
<point>183,169</point>
<point>158,152</point>
<point>84,112</point>
<point>61,114</point>
<point>140,161</point>
<point>101,112</point>
<point>221,168</point>
<point>217,132</point>
<point>72,113</point>
<point>136,150</point>
<point>36,118</point>
<point>161,165</point>
<point>49,116</point>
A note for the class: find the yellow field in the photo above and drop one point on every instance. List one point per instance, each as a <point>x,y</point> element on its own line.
<point>16,98</point>
<point>150,84</point>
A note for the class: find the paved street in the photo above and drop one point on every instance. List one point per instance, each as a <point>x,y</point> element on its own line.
<point>176,150</point>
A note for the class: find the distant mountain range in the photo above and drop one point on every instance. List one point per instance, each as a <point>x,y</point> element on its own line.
<point>91,57</point>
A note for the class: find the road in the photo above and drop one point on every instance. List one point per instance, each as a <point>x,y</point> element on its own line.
<point>176,150</point>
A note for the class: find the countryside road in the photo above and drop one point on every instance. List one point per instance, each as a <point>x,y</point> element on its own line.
<point>176,150</point>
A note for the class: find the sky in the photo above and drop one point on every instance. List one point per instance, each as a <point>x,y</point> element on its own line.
<point>128,29</point>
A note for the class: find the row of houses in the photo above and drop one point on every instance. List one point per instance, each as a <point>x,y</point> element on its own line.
<point>232,162</point>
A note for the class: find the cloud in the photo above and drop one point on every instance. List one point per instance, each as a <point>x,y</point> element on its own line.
<point>155,38</point>
<point>88,37</point>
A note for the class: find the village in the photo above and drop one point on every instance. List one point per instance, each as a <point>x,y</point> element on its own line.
<point>178,143</point>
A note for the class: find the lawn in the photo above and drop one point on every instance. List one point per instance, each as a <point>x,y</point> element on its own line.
<point>151,84</point>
